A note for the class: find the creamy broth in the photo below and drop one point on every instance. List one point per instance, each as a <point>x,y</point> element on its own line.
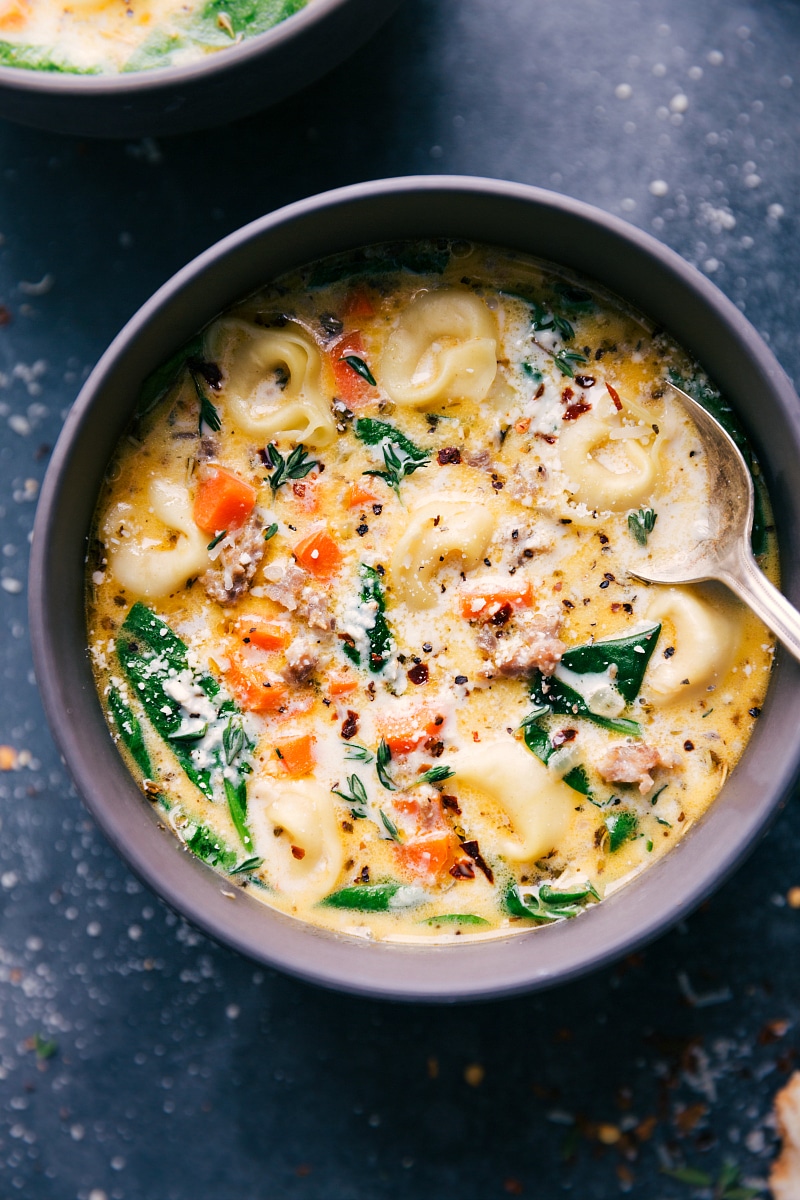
<point>108,36</point>
<point>360,609</point>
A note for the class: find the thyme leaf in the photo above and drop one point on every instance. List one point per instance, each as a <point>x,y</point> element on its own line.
<point>356,798</point>
<point>216,541</point>
<point>208,413</point>
<point>360,367</point>
<point>382,760</point>
<point>390,827</point>
<point>435,775</point>
<point>641,524</point>
<point>296,466</point>
<point>270,531</point>
<point>246,866</point>
<point>355,753</point>
<point>566,360</point>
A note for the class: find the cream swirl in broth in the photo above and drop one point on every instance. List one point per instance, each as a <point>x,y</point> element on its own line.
<point>360,608</point>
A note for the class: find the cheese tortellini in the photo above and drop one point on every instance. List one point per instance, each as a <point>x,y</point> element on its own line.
<point>272,381</point>
<point>705,638</point>
<point>437,532</point>
<point>295,830</point>
<point>538,805</point>
<point>155,558</point>
<point>607,466</point>
<point>444,348</point>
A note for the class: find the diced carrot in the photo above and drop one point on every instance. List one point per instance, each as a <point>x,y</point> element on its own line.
<point>223,501</point>
<point>359,303</point>
<point>253,631</point>
<point>318,553</point>
<point>297,755</point>
<point>428,856</point>
<point>480,605</point>
<point>361,495</point>
<point>255,695</point>
<point>341,685</point>
<point>351,388</point>
<point>13,13</point>
<point>404,734</point>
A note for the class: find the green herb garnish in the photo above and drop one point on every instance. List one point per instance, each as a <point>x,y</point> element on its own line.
<point>270,531</point>
<point>355,753</point>
<point>641,524</point>
<point>234,740</point>
<point>401,457</point>
<point>360,367</point>
<point>382,760</point>
<point>296,466</point>
<point>44,1047</point>
<point>246,866</point>
<point>566,360</point>
<point>216,541</point>
<point>390,827</point>
<point>379,637</point>
<point>356,798</point>
<point>621,827</point>
<point>208,413</point>
<point>434,775</point>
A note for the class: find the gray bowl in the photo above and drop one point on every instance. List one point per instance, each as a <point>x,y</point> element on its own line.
<point>223,86</point>
<point>565,231</point>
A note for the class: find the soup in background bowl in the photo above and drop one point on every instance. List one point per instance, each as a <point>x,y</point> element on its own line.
<point>506,759</point>
<point>103,69</point>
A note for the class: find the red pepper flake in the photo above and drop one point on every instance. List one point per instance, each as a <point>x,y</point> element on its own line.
<point>501,616</point>
<point>298,852</point>
<point>350,725</point>
<point>576,410</point>
<point>567,395</point>
<point>614,394</point>
<point>5,315</point>
<point>539,392</point>
<point>564,735</point>
<point>419,673</point>
<point>451,802</point>
<point>462,870</point>
<point>546,437</point>
<point>299,489</point>
<point>473,850</point>
<point>585,381</point>
<point>449,455</point>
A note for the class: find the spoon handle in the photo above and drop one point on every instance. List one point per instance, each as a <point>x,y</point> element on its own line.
<point>744,577</point>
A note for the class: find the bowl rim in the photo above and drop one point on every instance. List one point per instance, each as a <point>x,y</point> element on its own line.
<point>124,84</point>
<point>479,970</point>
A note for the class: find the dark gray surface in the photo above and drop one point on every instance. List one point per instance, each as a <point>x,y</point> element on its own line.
<point>181,1071</point>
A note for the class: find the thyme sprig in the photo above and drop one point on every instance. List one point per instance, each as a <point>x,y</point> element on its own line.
<point>296,466</point>
<point>356,798</point>
<point>390,827</point>
<point>208,413</point>
<point>434,775</point>
<point>641,523</point>
<point>382,760</point>
<point>397,468</point>
<point>566,361</point>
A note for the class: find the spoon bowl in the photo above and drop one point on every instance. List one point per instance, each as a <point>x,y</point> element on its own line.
<point>721,550</point>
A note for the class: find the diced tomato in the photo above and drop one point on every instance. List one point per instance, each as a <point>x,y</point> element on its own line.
<point>359,303</point>
<point>223,501</point>
<point>341,685</point>
<point>361,495</point>
<point>319,554</point>
<point>253,694</point>
<point>254,631</point>
<point>297,755</point>
<point>427,857</point>
<point>480,604</point>
<point>13,13</point>
<point>351,388</point>
<point>404,734</point>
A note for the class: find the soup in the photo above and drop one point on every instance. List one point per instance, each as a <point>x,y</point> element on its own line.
<point>360,606</point>
<point>88,37</point>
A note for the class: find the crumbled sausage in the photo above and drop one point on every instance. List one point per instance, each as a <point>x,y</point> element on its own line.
<point>301,661</point>
<point>239,557</point>
<point>631,763</point>
<point>533,645</point>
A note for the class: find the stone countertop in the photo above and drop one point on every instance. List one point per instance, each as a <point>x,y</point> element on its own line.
<point>138,1061</point>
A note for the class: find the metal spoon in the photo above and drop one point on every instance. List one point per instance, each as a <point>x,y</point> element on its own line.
<point>723,550</point>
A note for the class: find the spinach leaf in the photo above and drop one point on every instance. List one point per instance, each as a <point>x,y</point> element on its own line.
<point>209,846</point>
<point>630,655</point>
<point>565,701</point>
<point>161,380</point>
<point>39,58</point>
<point>130,732</point>
<point>369,897</point>
<point>379,636</point>
<point>456,919</point>
<point>549,904</point>
<point>538,742</point>
<point>373,432</point>
<point>621,826</point>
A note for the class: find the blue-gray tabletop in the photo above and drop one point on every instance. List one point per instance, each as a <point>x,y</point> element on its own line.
<point>137,1059</point>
